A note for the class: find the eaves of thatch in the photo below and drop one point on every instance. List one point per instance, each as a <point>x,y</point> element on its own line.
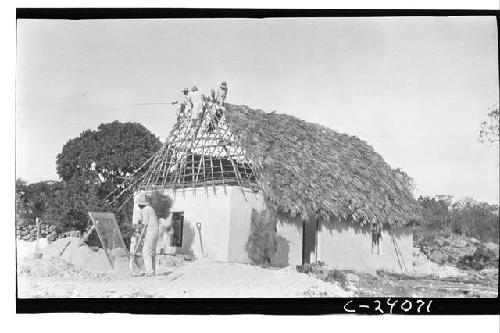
<point>311,171</point>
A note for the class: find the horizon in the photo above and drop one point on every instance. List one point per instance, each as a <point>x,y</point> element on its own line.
<point>426,84</point>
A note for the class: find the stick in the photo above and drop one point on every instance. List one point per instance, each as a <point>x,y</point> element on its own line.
<point>132,255</point>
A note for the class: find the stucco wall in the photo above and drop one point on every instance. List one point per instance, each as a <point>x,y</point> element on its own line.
<point>342,246</point>
<point>241,204</point>
<point>212,211</point>
<point>226,226</point>
<point>289,250</point>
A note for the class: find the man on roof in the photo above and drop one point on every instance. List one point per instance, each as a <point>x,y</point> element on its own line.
<point>196,100</point>
<point>221,93</point>
<point>218,98</point>
<point>182,102</point>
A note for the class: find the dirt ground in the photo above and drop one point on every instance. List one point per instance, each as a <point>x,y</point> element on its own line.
<point>396,285</point>
<point>202,278</point>
<point>69,269</point>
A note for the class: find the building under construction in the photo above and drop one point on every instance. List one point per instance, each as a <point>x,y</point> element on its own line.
<point>329,196</point>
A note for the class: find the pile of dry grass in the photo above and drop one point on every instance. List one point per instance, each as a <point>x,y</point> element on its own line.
<point>312,171</point>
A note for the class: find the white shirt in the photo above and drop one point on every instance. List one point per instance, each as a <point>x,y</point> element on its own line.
<point>196,97</point>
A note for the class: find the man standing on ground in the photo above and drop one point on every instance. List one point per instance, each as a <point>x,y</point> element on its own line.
<point>150,221</point>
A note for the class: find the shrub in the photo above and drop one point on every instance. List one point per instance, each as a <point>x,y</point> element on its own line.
<point>263,240</point>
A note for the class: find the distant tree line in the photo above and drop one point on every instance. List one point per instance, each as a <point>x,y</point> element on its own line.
<point>466,217</point>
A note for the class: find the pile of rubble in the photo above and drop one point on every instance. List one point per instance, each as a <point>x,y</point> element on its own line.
<point>485,256</point>
<point>74,251</point>
<point>27,232</point>
<point>320,271</point>
<point>58,268</point>
<point>463,252</point>
<point>423,266</point>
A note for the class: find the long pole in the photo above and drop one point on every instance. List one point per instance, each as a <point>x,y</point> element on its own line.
<point>37,233</point>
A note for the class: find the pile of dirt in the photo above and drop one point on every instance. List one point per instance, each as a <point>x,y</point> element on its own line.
<point>57,268</point>
<point>422,266</point>
<point>74,251</point>
<point>483,257</point>
<point>456,254</point>
<point>447,250</point>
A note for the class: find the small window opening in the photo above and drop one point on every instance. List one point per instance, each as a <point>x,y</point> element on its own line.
<point>177,226</point>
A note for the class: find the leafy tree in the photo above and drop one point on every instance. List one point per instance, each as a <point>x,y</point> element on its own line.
<point>92,166</point>
<point>465,217</point>
<point>71,200</point>
<point>475,219</point>
<point>31,200</point>
<point>113,152</point>
<point>490,131</point>
<point>435,211</point>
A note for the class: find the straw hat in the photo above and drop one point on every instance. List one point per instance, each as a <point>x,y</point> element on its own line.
<point>195,88</point>
<point>185,90</point>
<point>223,85</point>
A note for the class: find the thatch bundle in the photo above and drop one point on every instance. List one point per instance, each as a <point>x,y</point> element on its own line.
<point>161,204</point>
<point>311,171</point>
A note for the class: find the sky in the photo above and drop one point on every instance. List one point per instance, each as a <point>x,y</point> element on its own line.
<point>414,88</point>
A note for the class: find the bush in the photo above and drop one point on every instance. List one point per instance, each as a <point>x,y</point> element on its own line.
<point>311,268</point>
<point>263,240</point>
<point>481,258</point>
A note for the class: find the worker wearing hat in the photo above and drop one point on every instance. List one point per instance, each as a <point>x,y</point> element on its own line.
<point>150,221</point>
<point>222,93</point>
<point>219,99</point>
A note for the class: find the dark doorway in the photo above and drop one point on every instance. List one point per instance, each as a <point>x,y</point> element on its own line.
<point>178,226</point>
<point>309,241</point>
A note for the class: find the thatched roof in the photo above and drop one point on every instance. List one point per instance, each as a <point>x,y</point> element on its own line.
<point>310,171</point>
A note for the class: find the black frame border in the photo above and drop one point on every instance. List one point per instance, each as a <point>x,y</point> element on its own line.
<point>271,306</point>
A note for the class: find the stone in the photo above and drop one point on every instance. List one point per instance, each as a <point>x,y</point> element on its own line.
<point>457,242</point>
<point>438,257</point>
<point>474,241</point>
<point>351,277</point>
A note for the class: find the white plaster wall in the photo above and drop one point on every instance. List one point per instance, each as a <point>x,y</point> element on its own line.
<point>242,202</point>
<point>211,209</point>
<point>289,250</point>
<point>344,247</point>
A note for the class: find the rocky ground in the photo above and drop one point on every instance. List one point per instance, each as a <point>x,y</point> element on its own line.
<point>442,267</point>
<point>68,269</point>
